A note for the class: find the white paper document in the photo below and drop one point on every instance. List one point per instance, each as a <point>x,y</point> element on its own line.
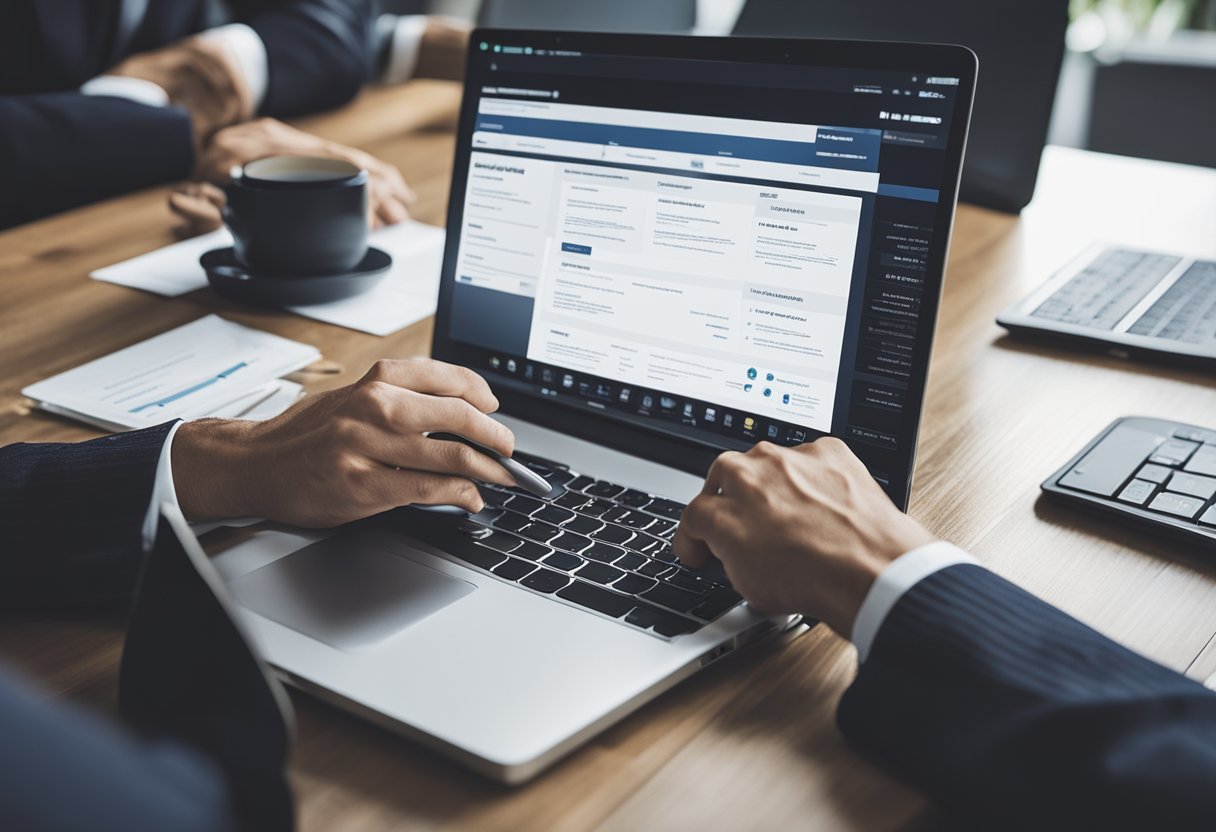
<point>406,295</point>
<point>211,366</point>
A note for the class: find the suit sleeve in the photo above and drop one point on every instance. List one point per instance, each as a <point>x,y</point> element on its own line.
<point>1013,715</point>
<point>62,769</point>
<point>65,149</point>
<point>71,518</point>
<point>319,53</point>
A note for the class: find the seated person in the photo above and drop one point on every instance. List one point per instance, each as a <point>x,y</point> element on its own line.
<point>102,97</point>
<point>1007,712</point>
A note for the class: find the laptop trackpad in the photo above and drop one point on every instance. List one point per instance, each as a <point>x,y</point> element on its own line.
<point>347,591</point>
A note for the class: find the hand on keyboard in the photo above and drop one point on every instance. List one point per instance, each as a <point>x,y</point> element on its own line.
<point>798,530</point>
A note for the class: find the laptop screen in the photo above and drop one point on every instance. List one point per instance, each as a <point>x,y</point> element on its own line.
<point>724,250</point>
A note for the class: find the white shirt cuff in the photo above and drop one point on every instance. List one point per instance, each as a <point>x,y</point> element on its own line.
<point>901,575</point>
<point>404,45</point>
<point>133,89</point>
<point>250,54</point>
<point>163,490</point>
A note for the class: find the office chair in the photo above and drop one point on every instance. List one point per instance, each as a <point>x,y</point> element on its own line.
<point>1020,44</point>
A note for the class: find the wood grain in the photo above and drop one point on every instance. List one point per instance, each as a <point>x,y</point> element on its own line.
<point>752,743</point>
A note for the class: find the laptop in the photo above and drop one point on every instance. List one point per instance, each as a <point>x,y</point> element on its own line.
<point>1128,302</point>
<point>1020,44</point>
<point>659,249</point>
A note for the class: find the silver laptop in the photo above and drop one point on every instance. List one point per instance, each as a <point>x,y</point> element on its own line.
<point>659,248</point>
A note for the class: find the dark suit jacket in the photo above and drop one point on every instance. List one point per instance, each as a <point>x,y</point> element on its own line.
<point>60,149</point>
<point>1012,715</point>
<point>70,536</point>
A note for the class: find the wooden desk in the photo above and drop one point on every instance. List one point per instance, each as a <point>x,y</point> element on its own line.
<point>752,743</point>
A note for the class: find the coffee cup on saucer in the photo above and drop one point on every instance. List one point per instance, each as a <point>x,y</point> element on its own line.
<point>299,229</point>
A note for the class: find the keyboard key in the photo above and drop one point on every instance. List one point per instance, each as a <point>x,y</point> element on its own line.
<point>564,561</point>
<point>545,580</point>
<point>583,525</point>
<point>672,597</point>
<point>630,561</point>
<point>1176,504</point>
<point>512,522</point>
<point>654,568</point>
<point>1153,473</point>
<point>633,584</point>
<point>486,516</point>
<point>684,579</point>
<point>1196,435</point>
<point>525,505</point>
<point>1177,450</point>
<point>633,499</point>
<point>494,497</point>
<point>478,555</point>
<point>1137,491</point>
<point>572,500</point>
<point>603,552</point>
<point>718,602</point>
<point>604,489</point>
<point>595,508</point>
<point>1209,517</point>
<point>662,527</point>
<point>1203,462</point>
<point>513,569</point>
<point>556,478</point>
<point>540,532</point>
<point>594,598</point>
<point>579,483</point>
<point>569,542</point>
<point>530,550</point>
<point>601,573</point>
<point>501,542</point>
<point>613,534</point>
<point>1110,463</point>
<point>632,519</point>
<point>1196,486</point>
<point>647,544</point>
<point>555,515</point>
<point>666,508</point>
<point>662,622</point>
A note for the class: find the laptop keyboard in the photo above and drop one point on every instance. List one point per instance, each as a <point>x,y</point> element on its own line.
<point>594,544</point>
<point>1187,310</point>
<point>1101,294</point>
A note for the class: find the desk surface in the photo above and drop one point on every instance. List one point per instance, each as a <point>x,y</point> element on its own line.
<point>751,743</point>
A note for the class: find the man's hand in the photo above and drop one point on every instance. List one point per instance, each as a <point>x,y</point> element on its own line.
<point>348,453</point>
<point>803,530</point>
<point>200,75</point>
<point>389,198</point>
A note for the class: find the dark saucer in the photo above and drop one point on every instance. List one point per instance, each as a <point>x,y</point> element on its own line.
<point>237,282</point>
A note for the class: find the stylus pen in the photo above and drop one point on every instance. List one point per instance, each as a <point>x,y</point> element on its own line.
<point>524,477</point>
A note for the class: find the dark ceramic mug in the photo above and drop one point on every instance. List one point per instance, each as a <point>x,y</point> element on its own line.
<point>298,215</point>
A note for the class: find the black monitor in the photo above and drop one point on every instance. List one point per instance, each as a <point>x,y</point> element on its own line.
<point>1020,44</point>
<point>678,246</point>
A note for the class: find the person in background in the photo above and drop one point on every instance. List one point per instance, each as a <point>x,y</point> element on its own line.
<point>103,97</point>
<point>1007,712</point>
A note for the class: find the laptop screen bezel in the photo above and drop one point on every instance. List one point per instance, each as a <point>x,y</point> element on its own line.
<point>686,453</point>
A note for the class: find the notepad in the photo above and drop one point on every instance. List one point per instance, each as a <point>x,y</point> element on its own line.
<point>208,367</point>
<point>406,295</point>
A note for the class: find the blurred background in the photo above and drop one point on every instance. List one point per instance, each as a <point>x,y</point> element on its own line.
<point>1138,77</point>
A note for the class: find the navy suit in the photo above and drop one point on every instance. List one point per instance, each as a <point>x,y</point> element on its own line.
<point>1006,711</point>
<point>1013,715</point>
<point>60,148</point>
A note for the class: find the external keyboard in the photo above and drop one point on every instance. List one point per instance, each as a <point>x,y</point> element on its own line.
<point>594,544</point>
<point>1157,473</point>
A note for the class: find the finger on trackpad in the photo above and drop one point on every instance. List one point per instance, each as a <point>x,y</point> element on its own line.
<point>347,591</point>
